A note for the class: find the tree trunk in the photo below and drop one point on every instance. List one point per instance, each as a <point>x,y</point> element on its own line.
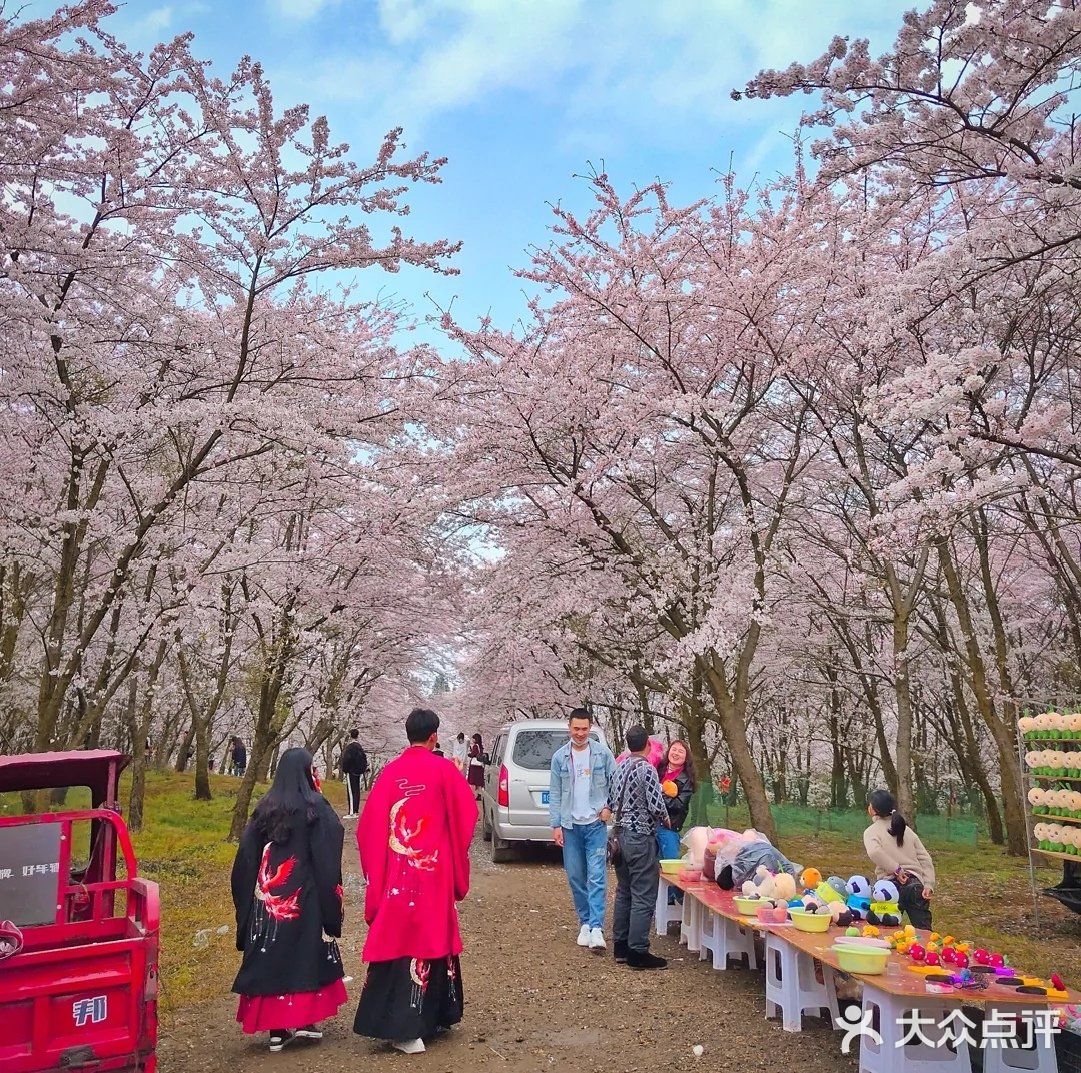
<point>1009,770</point>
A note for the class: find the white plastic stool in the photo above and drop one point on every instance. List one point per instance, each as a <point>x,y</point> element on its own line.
<point>1040,1058</point>
<point>724,939</point>
<point>891,1018</point>
<point>666,914</point>
<point>690,925</point>
<point>793,986</point>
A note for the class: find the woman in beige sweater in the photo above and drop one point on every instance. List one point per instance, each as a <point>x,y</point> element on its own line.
<point>897,853</point>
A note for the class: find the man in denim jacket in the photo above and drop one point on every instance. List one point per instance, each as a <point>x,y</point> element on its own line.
<point>579,810</point>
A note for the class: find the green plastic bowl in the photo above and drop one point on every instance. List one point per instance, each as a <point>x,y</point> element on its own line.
<point>672,866</point>
<point>867,961</point>
<point>747,906</point>
<point>814,922</point>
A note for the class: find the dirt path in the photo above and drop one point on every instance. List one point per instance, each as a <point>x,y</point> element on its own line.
<point>535,1001</point>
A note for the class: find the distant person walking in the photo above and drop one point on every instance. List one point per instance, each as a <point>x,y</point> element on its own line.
<point>578,811</point>
<point>414,837</point>
<point>897,853</point>
<point>640,811</point>
<point>476,764</point>
<point>461,753</point>
<point>287,891</point>
<point>354,767</point>
<point>238,758</point>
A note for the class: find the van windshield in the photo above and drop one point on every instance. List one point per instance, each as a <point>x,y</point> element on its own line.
<point>533,749</point>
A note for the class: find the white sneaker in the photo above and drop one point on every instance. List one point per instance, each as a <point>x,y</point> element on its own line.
<point>583,935</point>
<point>596,941</point>
<point>410,1046</point>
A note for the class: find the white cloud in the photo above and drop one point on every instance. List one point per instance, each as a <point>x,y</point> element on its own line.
<point>609,64</point>
<point>301,10</point>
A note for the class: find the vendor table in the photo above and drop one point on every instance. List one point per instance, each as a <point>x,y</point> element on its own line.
<point>901,1027</point>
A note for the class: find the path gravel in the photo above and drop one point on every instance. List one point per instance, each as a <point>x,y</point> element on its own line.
<point>535,1002</point>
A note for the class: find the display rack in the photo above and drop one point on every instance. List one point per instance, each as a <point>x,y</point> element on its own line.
<point>1068,890</point>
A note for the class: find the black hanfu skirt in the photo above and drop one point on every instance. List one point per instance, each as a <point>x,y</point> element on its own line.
<point>410,998</point>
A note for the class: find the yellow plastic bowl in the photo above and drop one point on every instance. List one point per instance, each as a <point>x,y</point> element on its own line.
<point>816,922</point>
<point>868,961</point>
<point>747,906</point>
<point>671,866</point>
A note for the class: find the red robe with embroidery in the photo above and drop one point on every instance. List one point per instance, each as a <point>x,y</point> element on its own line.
<point>414,836</point>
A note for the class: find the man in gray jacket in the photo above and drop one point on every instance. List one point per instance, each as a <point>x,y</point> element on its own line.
<point>579,808</point>
<point>640,810</point>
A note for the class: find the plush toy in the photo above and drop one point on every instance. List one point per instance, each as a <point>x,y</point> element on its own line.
<point>1037,798</point>
<point>840,913</point>
<point>1041,835</point>
<point>762,886</point>
<point>883,908</point>
<point>669,788</point>
<point>784,888</point>
<point>859,896</point>
<point>829,893</point>
<point>810,878</point>
<point>1027,725</point>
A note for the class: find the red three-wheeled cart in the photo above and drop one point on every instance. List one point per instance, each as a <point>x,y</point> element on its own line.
<point>79,931</point>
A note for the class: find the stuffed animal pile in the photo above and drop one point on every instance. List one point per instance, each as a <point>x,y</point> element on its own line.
<point>1055,802</point>
<point>1058,838</point>
<point>1051,726</point>
<point>1056,763</point>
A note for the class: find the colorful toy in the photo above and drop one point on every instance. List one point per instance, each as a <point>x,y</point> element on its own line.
<point>859,896</point>
<point>884,908</point>
<point>827,892</point>
<point>810,878</point>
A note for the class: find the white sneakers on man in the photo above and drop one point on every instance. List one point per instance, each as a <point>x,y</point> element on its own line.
<point>584,935</point>
<point>409,1046</point>
<point>596,941</point>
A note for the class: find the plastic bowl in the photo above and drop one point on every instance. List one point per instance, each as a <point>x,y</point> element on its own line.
<point>860,942</point>
<point>747,906</point>
<point>671,866</point>
<point>866,960</point>
<point>815,922</point>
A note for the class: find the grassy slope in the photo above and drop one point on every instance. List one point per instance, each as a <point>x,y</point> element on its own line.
<point>982,894</point>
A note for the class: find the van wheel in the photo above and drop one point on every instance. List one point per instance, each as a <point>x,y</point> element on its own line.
<point>485,826</point>
<point>501,851</point>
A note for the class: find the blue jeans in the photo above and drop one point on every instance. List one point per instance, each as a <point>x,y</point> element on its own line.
<point>668,847</point>
<point>585,856</point>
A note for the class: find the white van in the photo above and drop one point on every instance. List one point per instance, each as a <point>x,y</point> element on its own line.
<point>514,802</point>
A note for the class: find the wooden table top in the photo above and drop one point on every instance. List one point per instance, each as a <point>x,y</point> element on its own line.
<point>906,984</point>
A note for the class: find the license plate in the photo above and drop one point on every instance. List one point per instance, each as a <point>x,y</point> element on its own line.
<point>544,797</point>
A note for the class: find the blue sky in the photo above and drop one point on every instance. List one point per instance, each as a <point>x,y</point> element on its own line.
<point>522,95</point>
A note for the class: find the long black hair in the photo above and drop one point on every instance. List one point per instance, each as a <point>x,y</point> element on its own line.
<point>882,804</point>
<point>292,795</point>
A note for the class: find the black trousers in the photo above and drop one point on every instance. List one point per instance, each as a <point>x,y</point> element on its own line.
<point>352,785</point>
<point>910,900</point>
<point>637,879</point>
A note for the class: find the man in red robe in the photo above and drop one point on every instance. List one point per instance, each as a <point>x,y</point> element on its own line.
<point>414,836</point>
